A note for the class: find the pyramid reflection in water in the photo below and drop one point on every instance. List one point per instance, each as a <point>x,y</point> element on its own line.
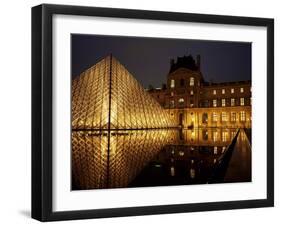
<point>94,166</point>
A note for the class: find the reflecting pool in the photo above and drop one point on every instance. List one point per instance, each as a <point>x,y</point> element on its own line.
<point>162,157</point>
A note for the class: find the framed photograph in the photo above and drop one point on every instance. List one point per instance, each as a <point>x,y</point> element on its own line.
<point>146,112</point>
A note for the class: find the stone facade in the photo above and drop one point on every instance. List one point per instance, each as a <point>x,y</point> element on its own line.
<point>194,102</point>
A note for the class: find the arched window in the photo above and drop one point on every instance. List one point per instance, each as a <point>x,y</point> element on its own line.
<point>191,81</point>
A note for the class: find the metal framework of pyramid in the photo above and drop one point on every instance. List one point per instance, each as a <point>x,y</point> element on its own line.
<point>108,96</point>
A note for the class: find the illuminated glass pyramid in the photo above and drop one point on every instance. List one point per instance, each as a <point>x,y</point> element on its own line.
<point>107,96</point>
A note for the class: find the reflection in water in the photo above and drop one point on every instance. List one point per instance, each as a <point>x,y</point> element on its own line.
<point>95,164</point>
<point>136,158</point>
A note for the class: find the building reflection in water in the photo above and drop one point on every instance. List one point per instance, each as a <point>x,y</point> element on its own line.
<point>137,158</point>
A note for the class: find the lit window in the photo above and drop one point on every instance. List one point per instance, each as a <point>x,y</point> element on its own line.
<point>172,83</point>
<point>172,103</point>
<point>191,92</point>
<point>223,91</point>
<point>214,92</point>
<point>232,102</point>
<point>172,94</point>
<point>241,90</point>
<point>191,81</point>
<point>214,103</point>
<point>172,171</point>
<point>215,150</point>
<point>224,117</point>
<point>215,117</point>
<point>215,136</point>
<point>232,116</point>
<point>242,101</point>
<point>242,116</point>
<point>224,136</point>
<point>223,102</point>
<point>232,90</point>
<point>181,100</point>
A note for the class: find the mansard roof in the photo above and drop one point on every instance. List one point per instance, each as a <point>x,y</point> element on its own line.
<point>185,62</point>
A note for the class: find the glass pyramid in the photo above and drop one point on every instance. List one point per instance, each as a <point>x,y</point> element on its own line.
<point>107,96</point>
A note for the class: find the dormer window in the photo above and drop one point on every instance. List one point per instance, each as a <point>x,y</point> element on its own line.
<point>172,83</point>
<point>191,81</point>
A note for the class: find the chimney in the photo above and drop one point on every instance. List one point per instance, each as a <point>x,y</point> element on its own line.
<point>198,61</point>
<point>172,62</point>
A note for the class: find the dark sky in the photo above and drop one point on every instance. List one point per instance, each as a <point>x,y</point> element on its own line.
<point>148,59</point>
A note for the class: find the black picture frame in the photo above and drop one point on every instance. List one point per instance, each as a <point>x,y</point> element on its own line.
<point>42,111</point>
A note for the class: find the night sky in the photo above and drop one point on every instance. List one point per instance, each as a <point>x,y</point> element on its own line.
<point>148,59</point>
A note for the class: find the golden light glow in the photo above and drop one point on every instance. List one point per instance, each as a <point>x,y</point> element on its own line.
<point>107,92</point>
<point>96,166</point>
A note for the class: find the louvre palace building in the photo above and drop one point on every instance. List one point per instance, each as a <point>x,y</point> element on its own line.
<point>194,102</point>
